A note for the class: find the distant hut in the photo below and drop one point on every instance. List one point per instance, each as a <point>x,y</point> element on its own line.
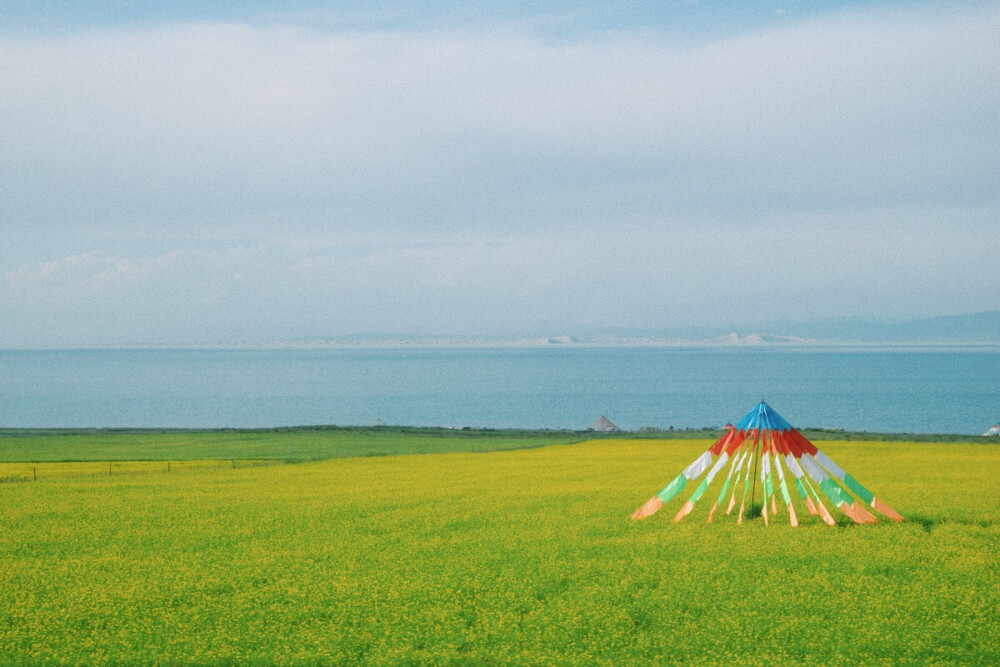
<point>603,425</point>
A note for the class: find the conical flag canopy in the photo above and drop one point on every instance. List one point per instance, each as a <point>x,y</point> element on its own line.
<point>764,444</point>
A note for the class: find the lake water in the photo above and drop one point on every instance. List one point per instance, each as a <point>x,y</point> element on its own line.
<point>895,390</point>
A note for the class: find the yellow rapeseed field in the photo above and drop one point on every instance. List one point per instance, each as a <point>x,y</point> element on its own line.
<point>518,557</point>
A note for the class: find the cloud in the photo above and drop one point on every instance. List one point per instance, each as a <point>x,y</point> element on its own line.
<point>239,128</point>
<point>200,182</point>
<point>778,267</point>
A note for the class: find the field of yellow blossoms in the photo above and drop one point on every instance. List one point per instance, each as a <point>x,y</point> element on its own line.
<point>515,557</point>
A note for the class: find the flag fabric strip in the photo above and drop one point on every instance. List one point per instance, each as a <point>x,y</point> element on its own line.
<point>734,466</point>
<point>818,504</point>
<point>834,491</point>
<point>767,476</point>
<point>830,488</point>
<point>725,484</point>
<point>717,467</point>
<point>785,495</point>
<point>885,510</point>
<point>702,488</point>
<point>855,486</point>
<point>832,467</point>
<point>737,462</point>
<point>699,466</point>
<point>781,482</point>
<point>668,492</point>
<point>746,484</point>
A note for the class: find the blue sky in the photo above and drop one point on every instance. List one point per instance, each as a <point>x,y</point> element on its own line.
<point>223,171</point>
<point>691,19</point>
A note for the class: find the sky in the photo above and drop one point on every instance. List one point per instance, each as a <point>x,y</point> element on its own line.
<point>221,171</point>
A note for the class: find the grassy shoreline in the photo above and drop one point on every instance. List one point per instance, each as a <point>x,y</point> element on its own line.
<point>327,442</point>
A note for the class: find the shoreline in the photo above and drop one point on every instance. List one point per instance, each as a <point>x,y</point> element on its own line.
<point>532,344</point>
<point>485,432</point>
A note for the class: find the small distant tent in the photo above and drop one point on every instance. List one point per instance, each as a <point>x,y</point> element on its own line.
<point>993,430</point>
<point>603,425</point>
<point>763,443</point>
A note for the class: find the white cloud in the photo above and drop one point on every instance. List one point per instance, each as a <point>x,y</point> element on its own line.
<point>282,126</point>
<point>211,181</point>
<point>777,267</point>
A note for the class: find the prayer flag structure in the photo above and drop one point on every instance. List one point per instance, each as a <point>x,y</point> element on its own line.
<point>763,444</point>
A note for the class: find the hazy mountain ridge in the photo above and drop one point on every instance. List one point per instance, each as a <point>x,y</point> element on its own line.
<point>981,327</point>
<point>973,329</point>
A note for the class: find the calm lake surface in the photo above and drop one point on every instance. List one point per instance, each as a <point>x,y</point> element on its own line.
<point>925,390</point>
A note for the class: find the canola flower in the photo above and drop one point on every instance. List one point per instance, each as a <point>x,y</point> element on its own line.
<point>521,557</point>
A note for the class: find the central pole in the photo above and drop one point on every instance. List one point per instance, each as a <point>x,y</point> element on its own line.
<point>756,462</point>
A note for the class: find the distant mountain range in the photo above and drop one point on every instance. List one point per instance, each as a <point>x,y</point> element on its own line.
<point>974,329</point>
